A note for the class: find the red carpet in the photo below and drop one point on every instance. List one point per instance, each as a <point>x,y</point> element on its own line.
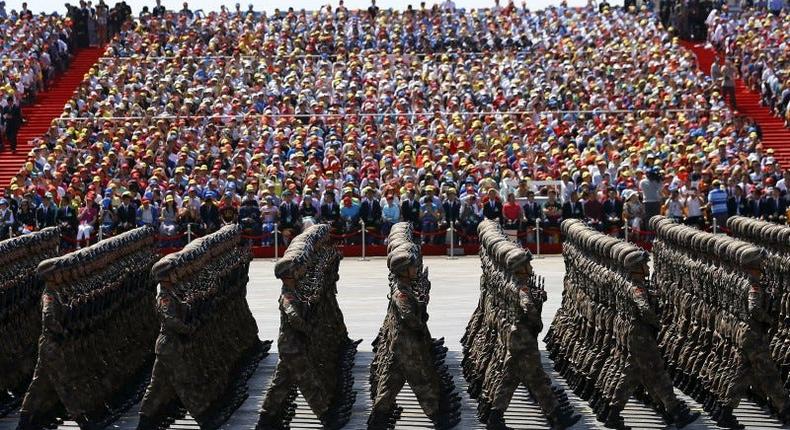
<point>775,134</point>
<point>49,105</point>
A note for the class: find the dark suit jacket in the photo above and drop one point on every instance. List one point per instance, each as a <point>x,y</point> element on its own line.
<point>532,212</point>
<point>754,207</point>
<point>48,217</point>
<point>738,208</point>
<point>289,214</point>
<point>492,212</point>
<point>770,206</point>
<point>613,209</point>
<point>370,212</point>
<point>410,211</point>
<point>330,215</point>
<point>127,215</point>
<point>452,210</point>
<point>572,210</point>
<point>209,214</point>
<point>68,215</point>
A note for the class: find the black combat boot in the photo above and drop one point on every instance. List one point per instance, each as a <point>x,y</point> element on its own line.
<point>589,389</point>
<point>726,419</point>
<point>25,422</point>
<point>147,423</point>
<point>615,421</point>
<point>684,417</point>
<point>268,423</point>
<point>561,419</point>
<point>378,421</point>
<point>496,420</point>
<point>784,415</point>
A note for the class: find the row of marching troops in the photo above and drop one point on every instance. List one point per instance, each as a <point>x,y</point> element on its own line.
<point>116,325</point>
<point>711,320</point>
<point>95,331</point>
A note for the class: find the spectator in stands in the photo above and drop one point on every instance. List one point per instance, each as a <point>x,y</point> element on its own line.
<point>6,219</point>
<point>12,121</point>
<point>410,208</point>
<point>46,213</point>
<point>147,214</point>
<point>86,217</point>
<point>370,212</point>
<point>168,217</point>
<point>126,214</point>
<point>693,207</point>
<point>717,203</point>
<point>289,217</point>
<point>25,217</point>
<point>158,10</point>
<point>512,213</point>
<point>209,214</point>
<point>673,207</point>
<point>430,214</point>
<point>593,210</point>
<point>67,217</point>
<point>492,208</point>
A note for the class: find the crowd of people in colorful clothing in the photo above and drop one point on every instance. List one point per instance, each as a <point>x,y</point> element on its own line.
<point>438,116</point>
<point>757,41</point>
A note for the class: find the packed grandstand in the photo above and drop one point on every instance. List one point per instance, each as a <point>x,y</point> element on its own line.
<point>362,118</point>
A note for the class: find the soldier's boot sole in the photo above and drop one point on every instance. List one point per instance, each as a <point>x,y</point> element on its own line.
<point>685,419</point>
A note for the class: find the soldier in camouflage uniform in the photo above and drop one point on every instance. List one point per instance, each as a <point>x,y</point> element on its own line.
<point>603,337</point>
<point>500,343</point>
<point>98,311</point>
<point>404,350</point>
<point>714,336</point>
<point>315,353</point>
<point>20,313</point>
<point>208,344</point>
<point>775,240</point>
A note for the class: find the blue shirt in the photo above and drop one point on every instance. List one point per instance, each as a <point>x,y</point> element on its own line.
<point>717,199</point>
<point>390,212</point>
<point>350,212</point>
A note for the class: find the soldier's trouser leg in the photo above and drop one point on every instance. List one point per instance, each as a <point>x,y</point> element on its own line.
<point>159,393</point>
<point>278,392</point>
<point>765,375</point>
<point>500,398</point>
<point>41,397</point>
<point>529,370</point>
<point>425,383</point>
<point>735,385</point>
<point>624,388</point>
<point>311,386</point>
<point>390,384</point>
<point>650,368</point>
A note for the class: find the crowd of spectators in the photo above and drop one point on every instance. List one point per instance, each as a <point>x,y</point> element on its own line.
<point>33,48</point>
<point>437,116</point>
<point>757,43</point>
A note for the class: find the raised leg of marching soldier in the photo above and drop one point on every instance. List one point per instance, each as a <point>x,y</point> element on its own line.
<point>766,377</point>
<point>651,372</point>
<point>390,384</point>
<point>158,396</point>
<point>40,400</point>
<point>522,364</point>
<point>292,370</point>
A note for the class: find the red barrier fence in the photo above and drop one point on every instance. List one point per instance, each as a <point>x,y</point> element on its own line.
<point>352,244</point>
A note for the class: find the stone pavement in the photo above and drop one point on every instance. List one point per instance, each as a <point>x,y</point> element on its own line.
<point>362,293</point>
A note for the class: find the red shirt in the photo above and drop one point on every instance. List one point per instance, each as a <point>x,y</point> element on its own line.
<point>511,211</point>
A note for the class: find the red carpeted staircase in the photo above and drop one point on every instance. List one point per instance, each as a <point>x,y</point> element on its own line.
<point>775,134</point>
<point>48,105</point>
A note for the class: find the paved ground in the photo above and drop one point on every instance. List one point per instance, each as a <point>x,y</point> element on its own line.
<point>362,292</point>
